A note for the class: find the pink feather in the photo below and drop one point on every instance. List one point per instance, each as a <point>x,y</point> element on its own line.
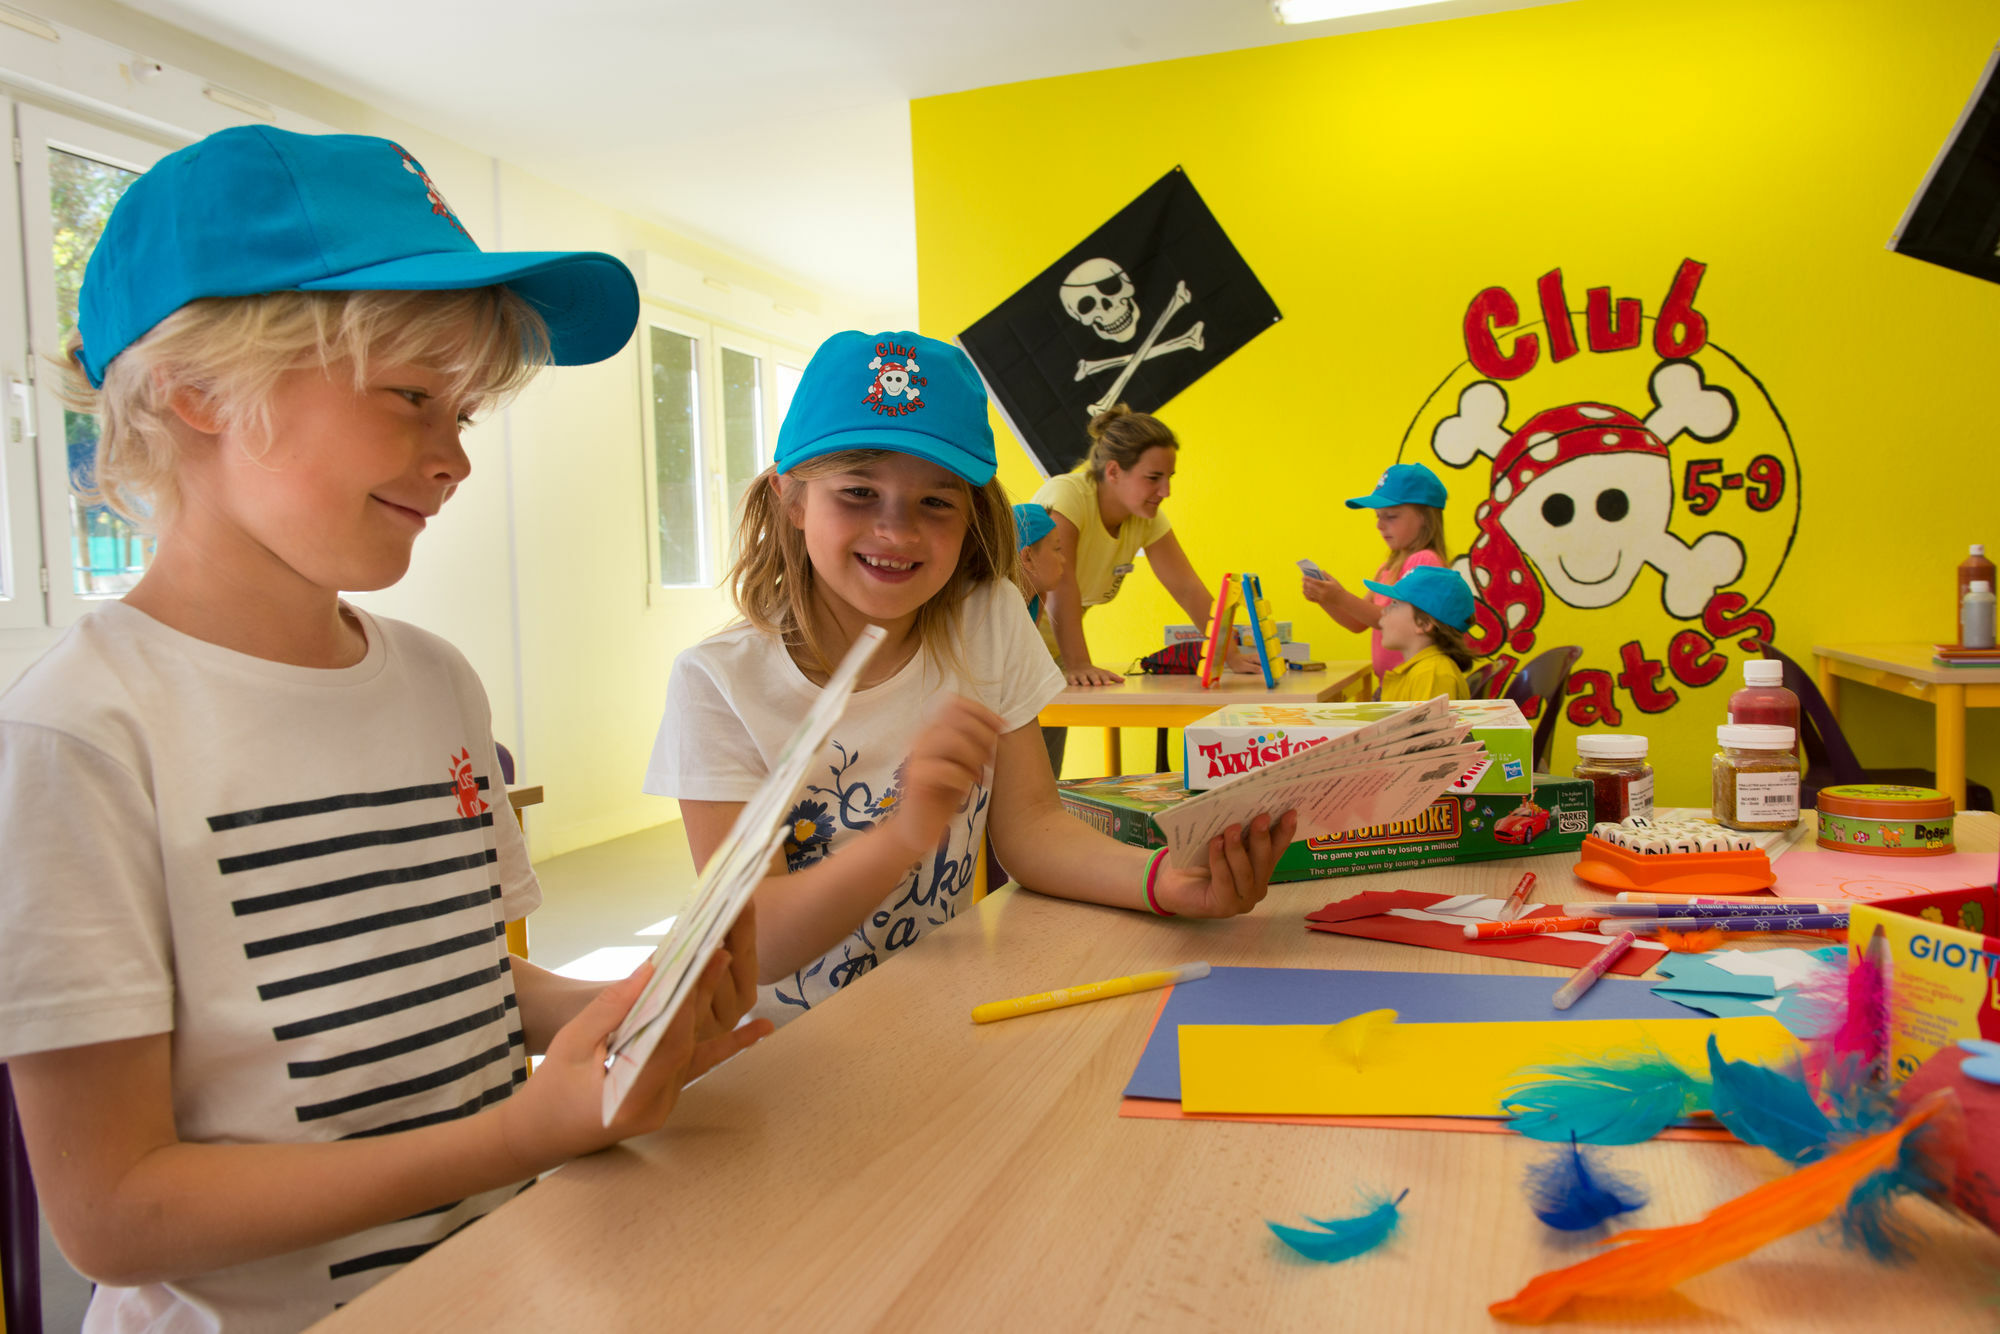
<point>1866,1018</point>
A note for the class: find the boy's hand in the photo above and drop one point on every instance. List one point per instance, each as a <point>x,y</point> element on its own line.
<point>1238,874</point>
<point>1090,674</point>
<point>956,739</point>
<point>559,1113</point>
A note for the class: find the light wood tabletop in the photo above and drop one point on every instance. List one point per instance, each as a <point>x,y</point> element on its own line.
<point>1145,700</point>
<point>1907,669</point>
<point>883,1163</point>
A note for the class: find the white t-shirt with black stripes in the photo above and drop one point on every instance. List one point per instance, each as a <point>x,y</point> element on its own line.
<point>302,875</point>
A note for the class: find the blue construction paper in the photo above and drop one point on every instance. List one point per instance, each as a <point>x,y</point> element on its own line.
<point>1697,974</point>
<point>1719,1004</point>
<point>1329,995</point>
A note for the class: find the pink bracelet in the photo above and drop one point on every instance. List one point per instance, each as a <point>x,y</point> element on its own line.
<point>1152,875</point>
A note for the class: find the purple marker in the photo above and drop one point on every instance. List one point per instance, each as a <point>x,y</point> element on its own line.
<point>1796,922</point>
<point>1715,910</point>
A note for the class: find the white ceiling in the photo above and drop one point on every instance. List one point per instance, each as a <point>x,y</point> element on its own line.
<point>777,130</point>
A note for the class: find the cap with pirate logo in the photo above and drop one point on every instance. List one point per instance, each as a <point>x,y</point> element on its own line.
<point>1403,484</point>
<point>252,209</point>
<point>896,391</point>
<point>1438,593</point>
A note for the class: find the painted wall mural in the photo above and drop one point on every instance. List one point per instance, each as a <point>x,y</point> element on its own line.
<point>1634,489</point>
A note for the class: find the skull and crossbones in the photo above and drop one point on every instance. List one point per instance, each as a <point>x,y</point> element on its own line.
<point>1099,295</point>
<point>1585,492</point>
<point>892,380</point>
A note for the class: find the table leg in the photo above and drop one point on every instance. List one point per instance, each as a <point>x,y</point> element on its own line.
<point>1114,756</point>
<point>1950,704</point>
<point>1829,685</point>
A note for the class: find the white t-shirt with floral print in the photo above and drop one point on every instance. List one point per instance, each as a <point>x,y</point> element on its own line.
<point>732,703</point>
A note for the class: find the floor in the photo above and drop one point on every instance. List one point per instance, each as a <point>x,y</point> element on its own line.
<point>603,909</point>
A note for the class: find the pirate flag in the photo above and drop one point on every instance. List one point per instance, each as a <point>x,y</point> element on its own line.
<point>1955,218</point>
<point>1146,305</point>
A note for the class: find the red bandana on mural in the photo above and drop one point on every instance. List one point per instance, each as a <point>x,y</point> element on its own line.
<point>1633,488</point>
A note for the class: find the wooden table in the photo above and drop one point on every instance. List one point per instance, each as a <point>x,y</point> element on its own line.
<point>883,1163</point>
<point>1176,701</point>
<point>1906,669</point>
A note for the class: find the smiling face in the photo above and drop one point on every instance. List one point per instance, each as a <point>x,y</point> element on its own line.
<point>1141,488</point>
<point>346,481</point>
<point>883,537</point>
<point>1589,524</point>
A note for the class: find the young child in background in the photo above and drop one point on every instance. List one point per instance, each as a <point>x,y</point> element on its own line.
<point>1409,513</point>
<point>882,508</point>
<point>265,1038</point>
<point>1424,619</point>
<point>1043,563</point>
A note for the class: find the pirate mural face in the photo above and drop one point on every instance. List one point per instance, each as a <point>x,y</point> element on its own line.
<point>1595,523</point>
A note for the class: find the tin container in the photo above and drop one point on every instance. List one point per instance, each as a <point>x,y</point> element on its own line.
<point>1884,820</point>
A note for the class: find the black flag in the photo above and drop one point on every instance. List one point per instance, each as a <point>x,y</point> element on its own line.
<point>1146,305</point>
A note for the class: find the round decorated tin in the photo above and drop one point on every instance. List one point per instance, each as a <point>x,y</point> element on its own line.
<point>1885,820</point>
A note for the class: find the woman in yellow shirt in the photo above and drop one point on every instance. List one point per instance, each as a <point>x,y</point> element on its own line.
<point>1425,619</point>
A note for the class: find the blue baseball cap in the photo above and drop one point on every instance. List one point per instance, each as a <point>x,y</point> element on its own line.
<point>1438,593</point>
<point>897,391</point>
<point>254,209</point>
<point>1031,524</point>
<point>1403,484</point>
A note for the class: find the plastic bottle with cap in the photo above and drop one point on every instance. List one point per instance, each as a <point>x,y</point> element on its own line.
<point>1973,567</point>
<point>1975,616</point>
<point>1763,700</point>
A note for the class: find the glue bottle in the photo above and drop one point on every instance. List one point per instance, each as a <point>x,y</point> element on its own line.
<point>1975,616</point>
<point>1975,566</point>
<point>1763,700</point>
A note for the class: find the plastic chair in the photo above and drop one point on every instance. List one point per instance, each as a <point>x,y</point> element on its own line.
<point>1830,761</point>
<point>1540,684</point>
<point>20,1225</point>
<point>1479,678</point>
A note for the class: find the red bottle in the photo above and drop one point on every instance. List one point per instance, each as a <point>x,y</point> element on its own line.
<point>1764,699</point>
<point>1975,566</point>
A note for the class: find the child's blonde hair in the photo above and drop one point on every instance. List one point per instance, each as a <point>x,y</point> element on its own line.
<point>773,579</point>
<point>1449,639</point>
<point>487,342</point>
<point>1430,537</point>
<point>1121,436</point>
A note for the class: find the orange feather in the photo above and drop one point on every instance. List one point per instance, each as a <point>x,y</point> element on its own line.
<point>1650,1261</point>
<point>1692,942</point>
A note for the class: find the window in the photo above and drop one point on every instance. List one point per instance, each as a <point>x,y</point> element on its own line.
<point>715,398</point>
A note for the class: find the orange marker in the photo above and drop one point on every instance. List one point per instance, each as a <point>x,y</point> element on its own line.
<point>1528,926</point>
<point>1518,899</point>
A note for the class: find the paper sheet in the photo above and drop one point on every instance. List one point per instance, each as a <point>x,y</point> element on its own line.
<point>1433,1069</point>
<point>1824,875</point>
<point>733,871</point>
<point>1329,995</point>
<point>1437,921</point>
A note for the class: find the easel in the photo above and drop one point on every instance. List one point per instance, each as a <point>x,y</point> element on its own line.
<point>1243,591</point>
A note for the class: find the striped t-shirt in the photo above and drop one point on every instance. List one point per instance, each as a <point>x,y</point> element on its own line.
<point>302,874</point>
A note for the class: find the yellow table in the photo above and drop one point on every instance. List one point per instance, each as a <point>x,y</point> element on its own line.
<point>885,1164</point>
<point>1176,701</point>
<point>1906,669</point>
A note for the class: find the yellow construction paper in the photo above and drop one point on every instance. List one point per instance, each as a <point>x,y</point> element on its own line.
<point>1433,1069</point>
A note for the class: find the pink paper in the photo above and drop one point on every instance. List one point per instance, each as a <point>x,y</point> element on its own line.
<point>1809,871</point>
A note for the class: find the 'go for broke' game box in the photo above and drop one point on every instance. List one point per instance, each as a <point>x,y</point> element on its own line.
<point>1240,737</point>
<point>1943,969</point>
<point>1462,827</point>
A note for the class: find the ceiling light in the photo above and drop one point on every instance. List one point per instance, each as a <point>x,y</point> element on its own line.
<point>1318,11</point>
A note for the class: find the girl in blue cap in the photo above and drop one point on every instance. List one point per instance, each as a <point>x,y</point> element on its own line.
<point>882,508</point>
<point>1425,615</point>
<point>1409,513</point>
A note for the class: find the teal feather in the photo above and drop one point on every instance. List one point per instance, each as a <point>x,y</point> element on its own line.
<point>1570,1193</point>
<point>1604,1102</point>
<point>1765,1107</point>
<point>1343,1238</point>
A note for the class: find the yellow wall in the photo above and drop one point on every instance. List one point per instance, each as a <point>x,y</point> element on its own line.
<point>1378,182</point>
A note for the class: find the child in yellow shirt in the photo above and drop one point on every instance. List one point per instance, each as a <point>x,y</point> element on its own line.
<point>1426,618</point>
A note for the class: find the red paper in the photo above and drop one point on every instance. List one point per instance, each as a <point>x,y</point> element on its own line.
<point>1344,919</point>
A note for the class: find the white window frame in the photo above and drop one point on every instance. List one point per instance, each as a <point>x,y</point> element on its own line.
<point>39,130</point>
<point>712,338</point>
<point>21,570</point>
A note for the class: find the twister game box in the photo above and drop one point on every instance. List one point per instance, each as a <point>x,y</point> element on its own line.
<point>1941,959</point>
<point>1240,737</point>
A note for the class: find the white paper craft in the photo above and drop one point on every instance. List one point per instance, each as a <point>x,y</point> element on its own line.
<point>1387,771</point>
<point>723,890</point>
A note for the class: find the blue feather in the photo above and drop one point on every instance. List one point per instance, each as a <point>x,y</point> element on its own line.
<point>1343,1238</point>
<point>1617,1102</point>
<point>1764,1107</point>
<point>1569,1194</point>
<point>1926,1166</point>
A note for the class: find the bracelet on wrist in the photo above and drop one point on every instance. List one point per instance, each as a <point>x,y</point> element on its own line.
<point>1152,878</point>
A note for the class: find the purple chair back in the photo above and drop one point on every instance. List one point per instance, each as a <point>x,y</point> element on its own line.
<point>1545,677</point>
<point>20,1224</point>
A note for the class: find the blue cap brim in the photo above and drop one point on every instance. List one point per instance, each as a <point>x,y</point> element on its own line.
<point>1385,590</point>
<point>903,440</point>
<point>588,300</point>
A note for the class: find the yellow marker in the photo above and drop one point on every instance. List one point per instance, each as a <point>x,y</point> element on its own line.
<point>1089,991</point>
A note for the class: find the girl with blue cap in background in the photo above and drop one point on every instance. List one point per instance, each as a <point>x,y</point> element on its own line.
<point>1409,513</point>
<point>882,509</point>
<point>1425,615</point>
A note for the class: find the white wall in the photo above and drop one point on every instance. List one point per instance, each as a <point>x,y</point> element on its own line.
<point>537,569</point>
